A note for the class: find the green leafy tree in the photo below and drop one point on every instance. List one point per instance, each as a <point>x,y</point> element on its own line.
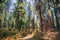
<point>3,7</point>
<point>20,12</point>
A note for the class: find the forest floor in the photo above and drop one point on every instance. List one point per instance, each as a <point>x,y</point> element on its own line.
<point>36,35</point>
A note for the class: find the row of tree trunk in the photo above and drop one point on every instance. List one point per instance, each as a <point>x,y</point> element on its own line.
<point>50,22</point>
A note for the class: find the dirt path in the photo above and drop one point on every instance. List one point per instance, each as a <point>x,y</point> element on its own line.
<point>49,36</point>
<point>28,36</point>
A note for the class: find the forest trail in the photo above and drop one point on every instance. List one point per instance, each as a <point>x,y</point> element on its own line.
<point>19,37</point>
<point>29,36</point>
<point>47,36</point>
<point>50,35</point>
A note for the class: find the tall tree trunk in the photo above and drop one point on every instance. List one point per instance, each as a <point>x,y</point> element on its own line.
<point>41,20</point>
<point>38,8</point>
<point>56,14</point>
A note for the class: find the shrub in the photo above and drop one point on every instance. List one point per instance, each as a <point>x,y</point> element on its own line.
<point>13,31</point>
<point>7,32</point>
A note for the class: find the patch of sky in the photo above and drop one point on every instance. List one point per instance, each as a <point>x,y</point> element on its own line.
<point>12,5</point>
